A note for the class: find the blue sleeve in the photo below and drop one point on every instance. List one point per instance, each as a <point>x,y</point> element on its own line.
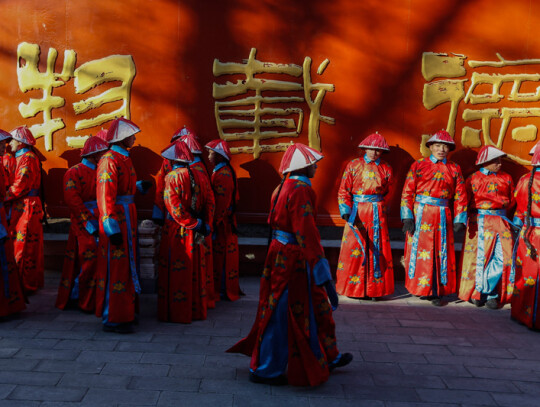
<point>461,218</point>
<point>157,213</point>
<point>111,227</point>
<point>406,213</point>
<point>321,272</point>
<point>91,226</point>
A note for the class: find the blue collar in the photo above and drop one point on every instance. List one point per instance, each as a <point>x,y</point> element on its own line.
<point>88,163</point>
<point>20,152</point>
<point>367,160</point>
<point>219,166</point>
<point>196,159</point>
<point>435,161</point>
<point>486,171</point>
<point>121,150</point>
<point>302,178</point>
<point>177,164</point>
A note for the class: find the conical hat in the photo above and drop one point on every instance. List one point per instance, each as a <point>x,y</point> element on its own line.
<point>298,156</point>
<point>221,147</point>
<point>488,153</point>
<point>533,149</point>
<point>93,145</point>
<point>24,135</point>
<point>192,143</point>
<point>177,151</point>
<point>442,136</point>
<point>375,141</point>
<point>121,129</point>
<point>184,131</point>
<point>102,134</point>
<point>535,162</point>
<point>4,135</point>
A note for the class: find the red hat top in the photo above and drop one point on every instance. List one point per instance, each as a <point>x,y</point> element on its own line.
<point>24,135</point>
<point>121,129</point>
<point>221,147</point>
<point>534,148</point>
<point>192,143</point>
<point>535,162</point>
<point>442,136</point>
<point>184,131</point>
<point>177,151</point>
<point>298,156</point>
<point>102,134</point>
<point>487,154</point>
<point>4,135</point>
<point>94,145</point>
<point>375,141</point>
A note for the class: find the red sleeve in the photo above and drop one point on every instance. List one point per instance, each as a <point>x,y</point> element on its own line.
<point>107,186</point>
<point>23,180</point>
<point>73,199</point>
<point>222,184</point>
<point>345,200</point>
<point>177,198</point>
<point>460,197</point>
<point>409,193</point>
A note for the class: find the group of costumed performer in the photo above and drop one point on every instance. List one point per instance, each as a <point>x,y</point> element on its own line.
<point>293,337</point>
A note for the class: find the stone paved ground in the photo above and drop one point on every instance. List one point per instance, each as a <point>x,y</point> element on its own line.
<point>407,353</point>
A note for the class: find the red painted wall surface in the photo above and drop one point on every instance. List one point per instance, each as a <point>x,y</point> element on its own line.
<point>375,51</point>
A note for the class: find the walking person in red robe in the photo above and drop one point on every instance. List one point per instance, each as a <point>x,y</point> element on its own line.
<point>291,330</point>
<point>365,267</point>
<point>225,243</point>
<point>25,229</point>
<point>78,282</point>
<point>182,293</point>
<point>486,260</point>
<point>118,287</point>
<point>11,294</point>
<point>526,276</point>
<point>431,186</point>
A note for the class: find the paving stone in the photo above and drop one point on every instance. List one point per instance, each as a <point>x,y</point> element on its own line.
<point>412,404</point>
<point>349,346</point>
<point>108,356</point>
<point>8,352</point>
<point>513,400</point>
<point>420,381</point>
<point>94,380</point>
<point>30,378</point>
<point>426,323</point>
<point>434,370</point>
<point>182,339</point>
<point>48,393</point>
<point>525,353</point>
<point>210,331</point>
<point>457,360</point>
<point>89,345</point>
<point>393,357</point>
<point>533,365</point>
<point>138,336</point>
<point>47,325</point>
<point>375,367</point>
<point>501,374</point>
<point>135,369</point>
<point>165,383</point>
<point>478,351</point>
<point>230,360</point>
<point>326,402</point>
<point>422,349</point>
<point>150,347</point>
<point>15,365</point>
<point>66,334</point>
<point>5,389</point>
<point>456,396</point>
<point>37,343</point>
<point>70,366</point>
<point>242,400</point>
<point>173,359</point>
<point>18,333</point>
<point>528,387</point>
<point>47,354</point>
<point>404,330</point>
<point>129,397</point>
<point>440,340</point>
<point>383,338</point>
<point>15,403</point>
<point>234,387</point>
<point>181,399</point>
<point>487,385</point>
<point>395,393</point>
<point>200,372</point>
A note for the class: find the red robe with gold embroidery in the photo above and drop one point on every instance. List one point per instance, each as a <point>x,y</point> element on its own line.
<point>78,280</point>
<point>525,298</point>
<point>365,270</point>
<point>487,253</point>
<point>11,295</point>
<point>430,266</point>
<point>25,229</point>
<point>117,280</point>
<point>182,294</point>
<point>225,244</point>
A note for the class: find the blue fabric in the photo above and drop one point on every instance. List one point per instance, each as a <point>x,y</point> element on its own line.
<point>485,171</point>
<point>74,295</point>
<point>196,159</point>
<point>92,226</point>
<point>219,166</point>
<point>140,188</point>
<point>367,160</point>
<point>33,192</point>
<point>321,272</point>
<point>302,178</point>
<point>3,232</point>
<point>111,227</point>
<point>518,222</point>
<point>121,150</point>
<point>125,201</point>
<point>487,278</point>
<point>105,315</point>
<point>435,161</point>
<point>344,209</point>
<point>90,205</point>
<point>429,200</point>
<point>88,163</point>
<point>179,165</point>
<point>284,237</point>
<point>157,213</point>
<point>274,348</point>
<point>20,152</point>
<point>461,218</point>
<point>406,213</point>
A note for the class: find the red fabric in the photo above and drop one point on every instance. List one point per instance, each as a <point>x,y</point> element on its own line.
<point>13,302</point>
<point>10,163</point>
<point>374,141</point>
<point>82,248</point>
<point>525,303</point>
<point>286,266</point>
<point>439,181</point>
<point>25,229</point>
<point>494,191</point>
<point>225,245</point>
<point>353,278</point>
<point>182,294</point>
<point>160,184</point>
<point>116,177</point>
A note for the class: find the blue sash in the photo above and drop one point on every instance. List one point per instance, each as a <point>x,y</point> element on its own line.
<point>125,201</point>
<point>284,237</point>
<point>33,192</point>
<point>424,200</point>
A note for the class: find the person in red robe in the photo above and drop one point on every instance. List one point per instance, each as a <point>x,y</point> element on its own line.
<point>11,294</point>
<point>486,259</point>
<point>365,268</point>
<point>290,333</point>
<point>225,243</point>
<point>78,281</point>
<point>25,229</point>
<point>526,264</point>
<point>182,294</point>
<point>118,287</point>
<point>431,185</point>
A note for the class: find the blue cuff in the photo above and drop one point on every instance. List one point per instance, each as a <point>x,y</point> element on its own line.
<point>344,209</point>
<point>461,218</point>
<point>140,187</point>
<point>157,213</point>
<point>518,222</point>
<point>91,226</point>
<point>406,213</point>
<point>321,272</point>
<point>111,227</point>
<point>3,232</point>
<point>198,226</point>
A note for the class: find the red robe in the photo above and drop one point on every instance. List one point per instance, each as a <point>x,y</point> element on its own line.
<point>160,211</point>
<point>117,280</point>
<point>367,182</point>
<point>225,244</point>
<point>525,298</point>
<point>78,279</point>
<point>429,253</point>
<point>289,273</point>
<point>182,294</point>
<point>11,295</point>
<point>25,229</point>
<point>10,164</point>
<point>487,192</point>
